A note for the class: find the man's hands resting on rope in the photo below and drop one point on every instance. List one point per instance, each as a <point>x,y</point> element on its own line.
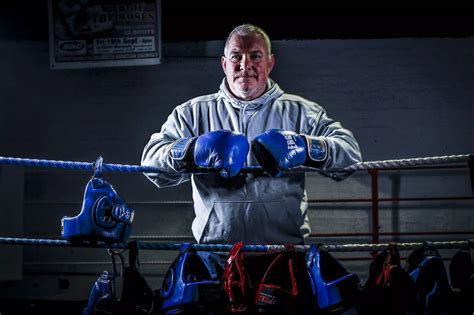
<point>276,150</point>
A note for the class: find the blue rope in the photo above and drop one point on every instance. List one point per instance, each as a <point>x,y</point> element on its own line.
<point>249,169</point>
<point>226,247</point>
<point>141,245</point>
<point>46,163</point>
<point>39,242</point>
<point>90,166</point>
<point>77,165</point>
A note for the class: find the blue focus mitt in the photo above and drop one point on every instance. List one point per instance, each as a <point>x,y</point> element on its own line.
<point>331,283</point>
<point>425,266</point>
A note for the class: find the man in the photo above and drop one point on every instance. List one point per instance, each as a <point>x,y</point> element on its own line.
<point>283,130</point>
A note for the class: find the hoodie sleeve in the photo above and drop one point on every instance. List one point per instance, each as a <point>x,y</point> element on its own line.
<point>157,151</point>
<point>343,149</point>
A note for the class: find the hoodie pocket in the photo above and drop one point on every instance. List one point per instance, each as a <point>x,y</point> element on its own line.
<point>253,222</point>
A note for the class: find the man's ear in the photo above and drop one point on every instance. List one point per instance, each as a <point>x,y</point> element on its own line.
<point>271,62</point>
<point>223,63</point>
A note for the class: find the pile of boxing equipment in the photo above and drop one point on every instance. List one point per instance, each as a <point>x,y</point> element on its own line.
<point>278,282</point>
<point>291,282</point>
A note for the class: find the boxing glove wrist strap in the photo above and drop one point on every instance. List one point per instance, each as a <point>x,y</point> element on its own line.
<point>317,151</point>
<point>183,150</point>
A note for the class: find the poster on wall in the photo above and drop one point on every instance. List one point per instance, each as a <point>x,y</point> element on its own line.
<point>104,33</point>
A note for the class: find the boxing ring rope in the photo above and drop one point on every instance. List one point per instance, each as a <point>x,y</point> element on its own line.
<point>371,166</point>
<point>226,248</point>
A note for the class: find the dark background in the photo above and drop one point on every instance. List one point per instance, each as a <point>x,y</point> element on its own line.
<point>195,20</point>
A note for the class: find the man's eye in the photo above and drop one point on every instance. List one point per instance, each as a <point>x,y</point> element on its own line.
<point>235,58</point>
<point>256,57</point>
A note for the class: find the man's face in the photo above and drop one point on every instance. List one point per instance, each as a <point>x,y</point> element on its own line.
<point>247,66</point>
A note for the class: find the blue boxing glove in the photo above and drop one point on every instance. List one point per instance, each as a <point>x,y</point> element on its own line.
<point>277,150</point>
<point>101,299</point>
<point>223,150</point>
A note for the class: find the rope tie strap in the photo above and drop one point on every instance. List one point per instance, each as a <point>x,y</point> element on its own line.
<point>227,247</point>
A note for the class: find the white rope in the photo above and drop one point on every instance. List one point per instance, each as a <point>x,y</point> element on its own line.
<point>409,162</point>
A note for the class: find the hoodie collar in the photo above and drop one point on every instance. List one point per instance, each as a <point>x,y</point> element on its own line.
<point>273,91</point>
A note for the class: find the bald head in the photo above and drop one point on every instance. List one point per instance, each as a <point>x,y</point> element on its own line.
<point>249,30</point>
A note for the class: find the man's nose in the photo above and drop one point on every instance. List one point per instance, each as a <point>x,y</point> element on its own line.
<point>245,63</point>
